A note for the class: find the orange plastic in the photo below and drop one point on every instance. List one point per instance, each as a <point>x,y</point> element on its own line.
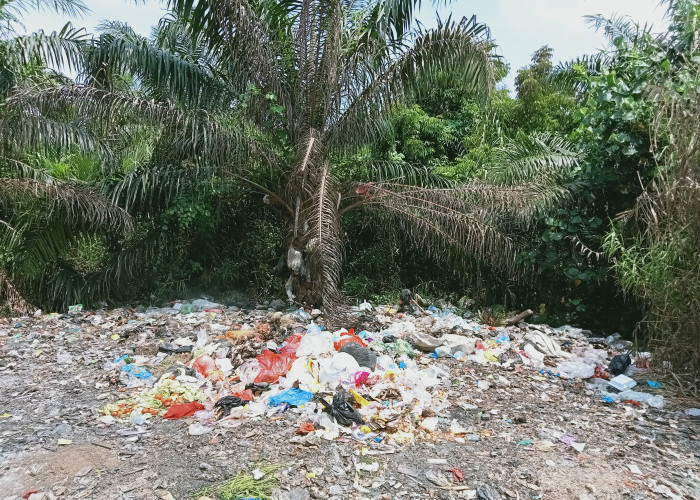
<point>348,338</point>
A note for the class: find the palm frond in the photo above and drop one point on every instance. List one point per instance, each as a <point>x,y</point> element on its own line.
<point>12,11</point>
<point>577,72</point>
<point>440,220</point>
<point>187,81</point>
<point>325,245</point>
<point>536,158</point>
<point>245,33</point>
<point>77,203</point>
<point>457,47</point>
<point>24,130</point>
<point>59,49</point>
<point>71,8</point>
<point>394,18</point>
<point>372,170</point>
<point>619,27</point>
<point>192,133</point>
<point>156,186</point>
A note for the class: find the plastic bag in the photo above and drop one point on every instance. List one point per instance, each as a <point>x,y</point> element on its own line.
<point>400,346</point>
<point>273,366</point>
<point>291,345</point>
<point>348,339</point>
<point>294,397</point>
<point>639,397</point>
<point>133,376</point>
<point>204,365</point>
<point>246,395</point>
<point>222,408</point>
<point>248,371</point>
<point>315,344</point>
<point>340,368</point>
<point>619,364</point>
<point>576,369</point>
<point>176,412</point>
<point>341,411</point>
<point>361,378</point>
<point>138,372</point>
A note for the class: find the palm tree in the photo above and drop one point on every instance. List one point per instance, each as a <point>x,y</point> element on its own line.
<point>37,211</point>
<point>276,95</point>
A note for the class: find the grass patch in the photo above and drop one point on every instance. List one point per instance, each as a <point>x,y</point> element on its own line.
<point>244,485</point>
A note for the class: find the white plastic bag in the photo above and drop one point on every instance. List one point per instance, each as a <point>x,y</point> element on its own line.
<point>248,371</point>
<point>338,369</point>
<point>315,344</point>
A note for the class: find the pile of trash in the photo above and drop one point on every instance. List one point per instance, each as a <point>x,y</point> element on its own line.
<point>384,384</point>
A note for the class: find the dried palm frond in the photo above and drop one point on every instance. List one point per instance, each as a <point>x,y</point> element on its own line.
<point>437,220</point>
<point>10,297</point>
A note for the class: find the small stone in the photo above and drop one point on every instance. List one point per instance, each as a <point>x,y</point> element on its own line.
<point>295,494</point>
<point>336,490</point>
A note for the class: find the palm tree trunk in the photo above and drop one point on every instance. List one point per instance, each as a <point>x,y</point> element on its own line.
<point>314,244</point>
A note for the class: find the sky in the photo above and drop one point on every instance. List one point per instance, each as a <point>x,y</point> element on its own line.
<point>519,27</point>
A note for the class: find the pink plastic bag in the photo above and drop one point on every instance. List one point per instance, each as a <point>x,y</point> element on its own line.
<point>361,378</point>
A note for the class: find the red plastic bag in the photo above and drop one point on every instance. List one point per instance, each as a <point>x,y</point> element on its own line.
<point>305,428</point>
<point>291,345</point>
<point>601,373</point>
<point>457,474</point>
<point>204,365</point>
<point>176,412</point>
<point>273,366</point>
<point>246,395</point>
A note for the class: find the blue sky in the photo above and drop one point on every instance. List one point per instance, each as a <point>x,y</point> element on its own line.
<point>519,26</point>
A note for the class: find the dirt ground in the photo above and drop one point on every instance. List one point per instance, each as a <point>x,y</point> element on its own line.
<point>52,444</point>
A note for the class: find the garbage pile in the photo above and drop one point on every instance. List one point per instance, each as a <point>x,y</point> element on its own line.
<point>383,384</point>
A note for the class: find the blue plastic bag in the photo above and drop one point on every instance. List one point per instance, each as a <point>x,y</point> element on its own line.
<point>295,397</point>
<point>136,371</point>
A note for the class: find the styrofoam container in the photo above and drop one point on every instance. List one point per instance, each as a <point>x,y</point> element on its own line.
<point>622,382</point>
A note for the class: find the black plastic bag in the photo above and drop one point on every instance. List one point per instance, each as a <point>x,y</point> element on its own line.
<point>619,364</point>
<point>223,406</point>
<point>169,348</point>
<point>487,492</point>
<point>341,411</point>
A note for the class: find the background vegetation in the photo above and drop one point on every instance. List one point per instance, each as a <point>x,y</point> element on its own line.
<point>117,205</point>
